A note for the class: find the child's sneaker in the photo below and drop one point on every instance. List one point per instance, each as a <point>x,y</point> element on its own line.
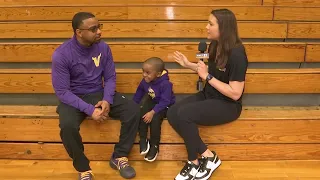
<point>87,175</point>
<point>121,164</point>
<point>152,154</point>
<point>188,172</point>
<point>144,146</point>
<point>208,165</point>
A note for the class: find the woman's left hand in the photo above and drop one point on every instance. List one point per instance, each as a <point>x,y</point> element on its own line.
<point>202,70</point>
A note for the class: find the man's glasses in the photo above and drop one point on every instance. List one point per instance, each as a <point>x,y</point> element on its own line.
<point>94,29</point>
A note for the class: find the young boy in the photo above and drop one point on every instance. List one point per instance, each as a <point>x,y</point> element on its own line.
<point>155,95</point>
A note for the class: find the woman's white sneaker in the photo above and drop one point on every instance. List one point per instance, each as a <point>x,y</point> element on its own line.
<point>188,172</point>
<point>207,166</point>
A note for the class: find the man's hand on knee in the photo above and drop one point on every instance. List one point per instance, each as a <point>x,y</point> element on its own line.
<point>97,115</point>
<point>105,109</point>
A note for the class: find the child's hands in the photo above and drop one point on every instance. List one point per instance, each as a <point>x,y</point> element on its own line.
<point>147,118</point>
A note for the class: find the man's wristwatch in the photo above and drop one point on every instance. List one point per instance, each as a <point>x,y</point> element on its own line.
<point>209,77</point>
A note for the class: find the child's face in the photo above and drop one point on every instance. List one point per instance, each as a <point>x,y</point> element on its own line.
<point>149,73</point>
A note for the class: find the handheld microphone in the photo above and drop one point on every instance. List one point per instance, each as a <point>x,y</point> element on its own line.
<point>202,47</point>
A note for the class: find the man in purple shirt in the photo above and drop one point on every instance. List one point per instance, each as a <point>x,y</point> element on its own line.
<point>78,67</point>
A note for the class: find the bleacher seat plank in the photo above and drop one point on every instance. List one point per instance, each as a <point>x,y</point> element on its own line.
<point>303,30</point>
<point>161,170</point>
<point>237,152</point>
<point>132,13</point>
<point>127,2</point>
<point>258,80</point>
<point>311,3</point>
<point>248,112</point>
<point>123,29</point>
<point>297,13</point>
<point>275,52</point>
<point>28,111</point>
<point>297,78</point>
<point>313,53</point>
<point>24,52</point>
<point>240,131</point>
<point>140,51</point>
<point>198,13</point>
<point>60,13</point>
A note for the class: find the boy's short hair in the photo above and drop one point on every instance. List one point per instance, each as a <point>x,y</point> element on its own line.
<point>157,63</point>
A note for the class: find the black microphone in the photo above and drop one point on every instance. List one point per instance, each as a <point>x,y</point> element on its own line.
<point>202,47</point>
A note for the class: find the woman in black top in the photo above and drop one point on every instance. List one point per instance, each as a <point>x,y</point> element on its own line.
<point>220,100</point>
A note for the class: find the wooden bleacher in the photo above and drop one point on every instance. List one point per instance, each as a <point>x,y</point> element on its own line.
<point>139,51</point>
<point>278,31</point>
<point>313,54</point>
<point>258,129</point>
<point>258,81</point>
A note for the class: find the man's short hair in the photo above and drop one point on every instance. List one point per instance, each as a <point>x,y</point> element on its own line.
<point>78,19</point>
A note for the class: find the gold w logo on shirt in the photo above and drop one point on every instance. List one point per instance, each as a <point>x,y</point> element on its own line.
<point>151,93</point>
<point>96,60</point>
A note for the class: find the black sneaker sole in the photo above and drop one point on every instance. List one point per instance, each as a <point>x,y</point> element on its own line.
<point>151,160</point>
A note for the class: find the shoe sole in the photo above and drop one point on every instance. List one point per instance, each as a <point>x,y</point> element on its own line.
<point>151,160</point>
<point>212,170</point>
<point>188,179</point>
<point>191,179</point>
<point>146,151</point>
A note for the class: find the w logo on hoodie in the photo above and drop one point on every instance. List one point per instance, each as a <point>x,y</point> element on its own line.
<point>96,60</point>
<point>151,93</point>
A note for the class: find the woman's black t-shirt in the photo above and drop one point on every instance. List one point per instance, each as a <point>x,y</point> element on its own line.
<point>235,70</point>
